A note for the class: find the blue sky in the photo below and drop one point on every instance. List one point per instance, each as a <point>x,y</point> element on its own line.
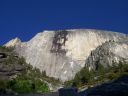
<point>25,18</point>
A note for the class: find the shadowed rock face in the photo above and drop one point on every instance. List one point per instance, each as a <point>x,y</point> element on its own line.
<point>9,70</point>
<point>118,87</point>
<point>59,40</point>
<point>63,53</point>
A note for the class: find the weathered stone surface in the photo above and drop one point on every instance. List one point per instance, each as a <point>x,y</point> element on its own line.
<point>9,69</point>
<point>108,53</point>
<point>13,42</point>
<point>63,53</point>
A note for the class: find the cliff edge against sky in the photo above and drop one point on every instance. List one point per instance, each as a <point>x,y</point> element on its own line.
<point>61,54</point>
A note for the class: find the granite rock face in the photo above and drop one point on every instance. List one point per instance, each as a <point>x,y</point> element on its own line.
<point>63,53</point>
<point>107,54</point>
<point>13,42</point>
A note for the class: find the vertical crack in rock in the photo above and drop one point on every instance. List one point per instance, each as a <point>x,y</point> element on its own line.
<point>59,40</point>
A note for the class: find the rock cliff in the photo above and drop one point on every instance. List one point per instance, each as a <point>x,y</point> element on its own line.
<point>13,42</point>
<point>63,53</point>
<point>107,54</point>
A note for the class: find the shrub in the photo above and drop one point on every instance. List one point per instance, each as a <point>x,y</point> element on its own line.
<point>100,75</point>
<point>28,86</point>
<point>3,85</point>
<point>22,86</point>
<point>41,86</point>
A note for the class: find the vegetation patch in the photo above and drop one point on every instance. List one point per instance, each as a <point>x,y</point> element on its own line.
<point>21,77</point>
<point>86,78</point>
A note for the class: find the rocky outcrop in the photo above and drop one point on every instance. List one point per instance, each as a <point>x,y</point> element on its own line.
<point>16,74</point>
<point>108,53</point>
<point>9,66</point>
<point>13,42</point>
<point>63,53</point>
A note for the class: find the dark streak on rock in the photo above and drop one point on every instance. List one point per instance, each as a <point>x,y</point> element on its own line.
<point>59,40</point>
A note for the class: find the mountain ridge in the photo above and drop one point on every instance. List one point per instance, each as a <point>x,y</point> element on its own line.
<point>63,53</point>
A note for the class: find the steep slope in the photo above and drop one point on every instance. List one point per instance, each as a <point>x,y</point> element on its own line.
<point>118,87</point>
<point>10,65</point>
<point>16,76</point>
<point>63,53</point>
<point>108,53</point>
<point>13,42</point>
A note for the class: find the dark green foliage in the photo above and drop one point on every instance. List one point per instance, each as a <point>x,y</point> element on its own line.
<point>26,80</point>
<point>82,77</point>
<point>22,86</point>
<point>3,84</point>
<point>28,86</point>
<point>40,86</point>
<point>101,75</point>
<point>21,61</point>
<point>6,49</point>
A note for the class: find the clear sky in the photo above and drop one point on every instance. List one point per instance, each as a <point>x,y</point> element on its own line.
<point>25,18</point>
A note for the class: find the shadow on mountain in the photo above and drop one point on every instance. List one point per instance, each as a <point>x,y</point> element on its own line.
<point>118,87</point>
